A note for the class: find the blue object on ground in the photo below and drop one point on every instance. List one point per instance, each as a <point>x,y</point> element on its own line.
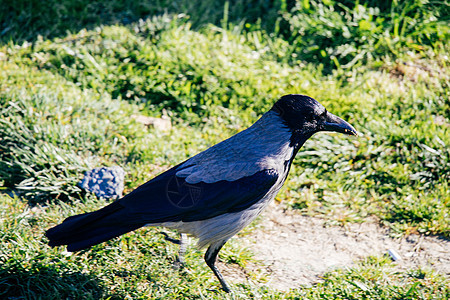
<point>104,182</point>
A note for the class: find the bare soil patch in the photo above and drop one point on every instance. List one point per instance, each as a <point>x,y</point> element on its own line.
<point>296,250</point>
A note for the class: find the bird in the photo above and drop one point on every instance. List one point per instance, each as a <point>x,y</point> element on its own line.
<point>216,193</point>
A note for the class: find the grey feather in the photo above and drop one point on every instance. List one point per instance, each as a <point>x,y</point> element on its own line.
<point>264,145</point>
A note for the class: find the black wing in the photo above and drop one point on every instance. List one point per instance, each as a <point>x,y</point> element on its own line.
<point>169,198</point>
<point>166,198</point>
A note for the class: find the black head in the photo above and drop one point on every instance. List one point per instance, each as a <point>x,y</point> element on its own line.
<point>305,116</point>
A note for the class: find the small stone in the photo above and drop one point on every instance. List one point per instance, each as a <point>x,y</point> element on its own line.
<point>162,124</point>
<point>104,182</point>
<point>394,255</point>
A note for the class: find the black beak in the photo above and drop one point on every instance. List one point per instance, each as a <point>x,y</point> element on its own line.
<point>334,123</point>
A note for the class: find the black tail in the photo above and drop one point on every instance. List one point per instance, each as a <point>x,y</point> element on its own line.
<point>85,230</point>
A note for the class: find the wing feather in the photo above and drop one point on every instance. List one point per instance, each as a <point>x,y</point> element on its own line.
<point>170,198</point>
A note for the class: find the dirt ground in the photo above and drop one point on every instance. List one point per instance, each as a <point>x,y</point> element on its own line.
<point>295,250</point>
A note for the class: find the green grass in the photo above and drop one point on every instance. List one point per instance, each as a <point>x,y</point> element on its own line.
<point>139,265</point>
<point>67,97</point>
<point>55,18</point>
<point>348,33</point>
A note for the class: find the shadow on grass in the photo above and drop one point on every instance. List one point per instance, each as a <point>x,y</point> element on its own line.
<point>25,20</point>
<point>49,282</point>
<point>35,197</point>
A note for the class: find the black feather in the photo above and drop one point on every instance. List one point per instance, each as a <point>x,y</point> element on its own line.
<point>166,198</point>
<point>85,230</point>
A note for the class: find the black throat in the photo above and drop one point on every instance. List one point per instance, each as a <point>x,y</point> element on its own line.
<point>298,137</point>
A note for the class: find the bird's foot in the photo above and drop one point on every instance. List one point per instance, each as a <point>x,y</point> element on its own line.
<point>179,262</point>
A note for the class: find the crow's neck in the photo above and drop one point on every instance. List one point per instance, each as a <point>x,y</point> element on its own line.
<point>298,139</point>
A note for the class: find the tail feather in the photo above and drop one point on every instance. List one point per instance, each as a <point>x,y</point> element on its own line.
<point>85,230</point>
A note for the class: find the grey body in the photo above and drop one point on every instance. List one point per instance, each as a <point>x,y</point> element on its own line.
<point>263,146</point>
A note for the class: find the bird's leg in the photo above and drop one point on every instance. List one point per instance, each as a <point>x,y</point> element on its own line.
<point>182,251</point>
<point>210,259</point>
<point>183,246</point>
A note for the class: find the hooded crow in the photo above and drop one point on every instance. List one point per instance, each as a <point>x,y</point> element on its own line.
<point>216,193</point>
